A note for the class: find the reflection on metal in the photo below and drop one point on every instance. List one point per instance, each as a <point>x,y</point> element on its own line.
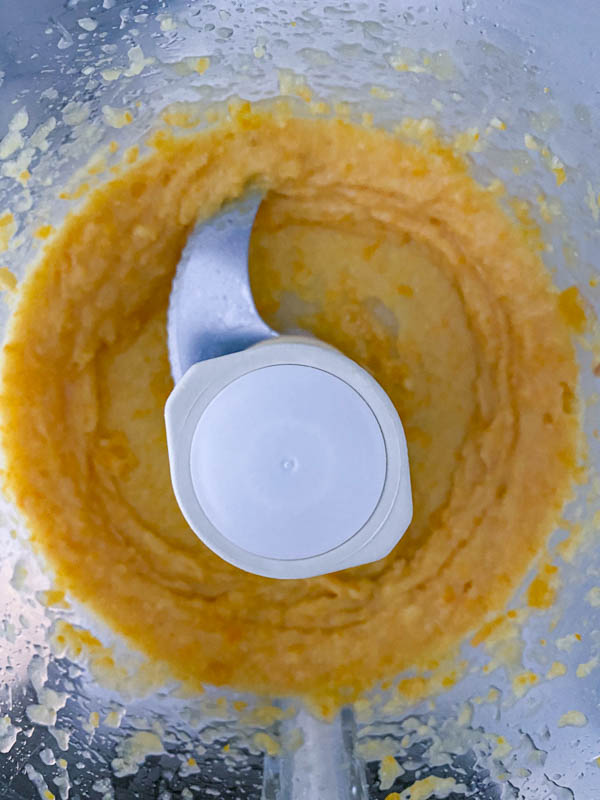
<point>211,310</point>
<point>322,763</point>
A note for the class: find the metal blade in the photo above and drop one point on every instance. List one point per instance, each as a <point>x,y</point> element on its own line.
<point>211,309</point>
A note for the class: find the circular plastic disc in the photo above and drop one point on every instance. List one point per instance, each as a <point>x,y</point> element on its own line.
<point>288,461</point>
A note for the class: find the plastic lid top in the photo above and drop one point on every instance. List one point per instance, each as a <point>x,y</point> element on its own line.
<point>288,461</point>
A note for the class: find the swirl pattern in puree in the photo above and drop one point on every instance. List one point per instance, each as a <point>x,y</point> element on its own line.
<point>385,248</point>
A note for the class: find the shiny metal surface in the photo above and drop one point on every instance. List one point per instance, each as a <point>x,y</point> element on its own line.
<point>211,310</point>
<point>504,57</point>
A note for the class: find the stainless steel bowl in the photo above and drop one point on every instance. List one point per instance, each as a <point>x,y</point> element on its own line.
<point>534,66</point>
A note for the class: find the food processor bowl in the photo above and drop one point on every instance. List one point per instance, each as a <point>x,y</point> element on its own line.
<point>515,84</point>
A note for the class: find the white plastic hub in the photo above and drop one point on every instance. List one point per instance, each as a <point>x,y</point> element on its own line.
<point>288,460</point>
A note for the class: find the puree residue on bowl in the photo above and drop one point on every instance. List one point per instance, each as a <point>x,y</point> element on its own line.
<point>386,248</point>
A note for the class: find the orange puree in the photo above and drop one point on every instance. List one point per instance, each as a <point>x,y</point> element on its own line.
<point>383,247</point>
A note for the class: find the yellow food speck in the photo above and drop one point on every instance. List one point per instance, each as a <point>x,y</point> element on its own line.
<point>137,61</point>
<point>389,770</point>
<point>586,668</point>
<point>560,175</point>
<point>380,92</point>
<point>413,688</point>
<point>502,749</point>
<point>78,192</point>
<point>530,142</point>
<point>341,109</point>
<point>593,597</point>
<point>266,743</point>
<point>567,642</point>
<point>43,232</point>
<point>523,682</point>
<point>556,670</point>
<point>131,154</point>
<point>11,143</point>
<point>449,680</point>
<point>465,716</point>
<point>319,107</point>
<point>467,141</point>
<point>305,93</point>
<point>541,592</point>
<point>8,280</point>
<point>117,117</point>
<point>111,74</point>
<point>180,117</point>
<point>8,228</point>
<point>487,630</point>
<point>570,305</point>
<point>97,167</point>
<point>53,598</point>
<point>202,64</point>
<point>168,24</point>
<point>574,719</point>
<point>113,719</point>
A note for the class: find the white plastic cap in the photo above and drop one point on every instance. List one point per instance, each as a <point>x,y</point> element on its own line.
<point>288,460</point>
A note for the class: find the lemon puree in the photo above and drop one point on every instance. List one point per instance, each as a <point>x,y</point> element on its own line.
<point>387,249</point>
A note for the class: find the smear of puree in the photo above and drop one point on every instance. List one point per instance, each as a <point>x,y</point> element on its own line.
<point>385,248</point>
